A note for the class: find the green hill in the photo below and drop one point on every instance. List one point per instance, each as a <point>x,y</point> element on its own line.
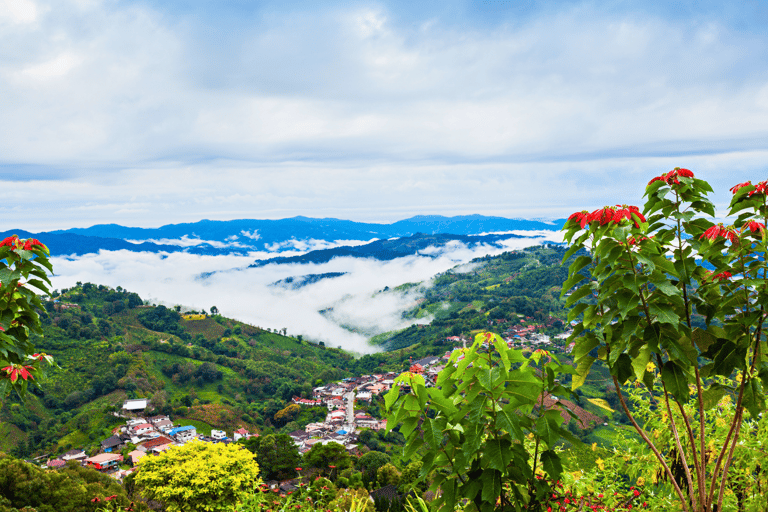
<point>110,346</point>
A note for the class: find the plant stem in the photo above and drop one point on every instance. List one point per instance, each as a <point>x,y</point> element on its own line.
<point>650,444</point>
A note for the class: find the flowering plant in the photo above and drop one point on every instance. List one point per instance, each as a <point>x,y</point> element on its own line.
<point>651,309</point>
<point>23,265</point>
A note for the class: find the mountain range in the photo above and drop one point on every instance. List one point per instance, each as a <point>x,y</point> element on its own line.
<point>300,234</point>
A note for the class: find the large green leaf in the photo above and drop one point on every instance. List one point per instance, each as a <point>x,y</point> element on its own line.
<point>676,381</point>
<point>582,370</point>
<point>497,454</point>
<point>552,465</point>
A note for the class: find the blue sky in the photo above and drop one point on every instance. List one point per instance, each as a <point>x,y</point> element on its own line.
<point>148,113</point>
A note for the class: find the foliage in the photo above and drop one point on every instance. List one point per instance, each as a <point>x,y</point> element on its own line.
<point>646,280</point>
<point>323,456</point>
<point>630,461</point>
<point>198,476</point>
<point>23,266</point>
<point>483,427</point>
<point>276,454</point>
<point>70,489</point>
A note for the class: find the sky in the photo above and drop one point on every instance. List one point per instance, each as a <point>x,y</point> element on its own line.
<point>150,112</point>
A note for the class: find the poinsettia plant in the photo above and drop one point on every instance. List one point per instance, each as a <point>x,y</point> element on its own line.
<point>24,268</point>
<point>666,293</point>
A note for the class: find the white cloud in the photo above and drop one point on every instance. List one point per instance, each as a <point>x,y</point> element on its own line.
<point>18,11</point>
<point>246,294</point>
<point>362,112</point>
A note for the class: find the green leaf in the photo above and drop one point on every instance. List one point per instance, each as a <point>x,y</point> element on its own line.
<point>497,454</point>
<point>582,370</point>
<point>491,482</point>
<point>664,315</point>
<point>676,381</point>
<point>712,395</point>
<point>545,431</point>
<point>726,356</point>
<point>703,339</point>
<point>579,294</point>
<point>552,465</point>
<point>640,361</point>
<point>623,368</point>
<point>507,420</point>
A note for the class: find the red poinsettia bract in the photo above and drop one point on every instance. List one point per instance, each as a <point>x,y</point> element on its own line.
<point>11,241</point>
<point>760,188</point>
<point>15,371</point>
<point>755,227</point>
<point>718,230</point>
<point>672,176</point>
<point>580,217</point>
<point>721,276</point>
<point>15,242</point>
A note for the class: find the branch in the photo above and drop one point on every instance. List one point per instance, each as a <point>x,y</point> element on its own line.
<point>650,444</point>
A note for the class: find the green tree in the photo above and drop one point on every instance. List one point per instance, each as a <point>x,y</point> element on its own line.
<point>372,461</point>
<point>199,476</point>
<point>23,266</point>
<point>483,426</point>
<point>650,309</point>
<point>387,475</point>
<point>70,489</point>
<point>323,456</point>
<point>276,454</point>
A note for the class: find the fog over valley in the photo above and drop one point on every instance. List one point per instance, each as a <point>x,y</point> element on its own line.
<point>352,298</point>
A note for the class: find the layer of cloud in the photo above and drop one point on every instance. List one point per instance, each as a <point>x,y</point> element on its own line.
<point>246,294</point>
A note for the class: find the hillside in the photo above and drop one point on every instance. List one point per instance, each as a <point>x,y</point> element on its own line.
<point>110,346</point>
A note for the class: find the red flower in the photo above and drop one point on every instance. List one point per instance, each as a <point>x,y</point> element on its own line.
<point>736,188</point>
<point>628,212</point>
<point>16,370</point>
<point>10,241</point>
<point>722,276</point>
<point>636,493</point>
<point>110,498</point>
<point>96,499</point>
<point>760,188</point>
<point>719,231</point>
<point>581,217</point>
<point>31,242</point>
<point>672,176</point>
<point>602,215</point>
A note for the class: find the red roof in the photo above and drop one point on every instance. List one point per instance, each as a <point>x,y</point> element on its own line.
<point>158,441</point>
<point>417,368</point>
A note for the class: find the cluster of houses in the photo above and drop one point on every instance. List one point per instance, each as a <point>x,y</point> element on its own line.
<point>150,436</point>
<point>342,425</point>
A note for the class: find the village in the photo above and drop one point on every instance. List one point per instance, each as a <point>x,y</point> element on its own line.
<point>152,435</point>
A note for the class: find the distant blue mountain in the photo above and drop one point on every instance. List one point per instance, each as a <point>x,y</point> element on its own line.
<point>262,234</point>
<point>389,249</point>
<point>246,235</point>
<point>71,244</point>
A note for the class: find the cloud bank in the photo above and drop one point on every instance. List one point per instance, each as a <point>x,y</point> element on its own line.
<point>145,113</point>
<point>246,295</point>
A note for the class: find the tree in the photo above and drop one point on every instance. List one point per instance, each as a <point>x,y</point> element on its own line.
<point>199,476</point>
<point>214,310</point>
<point>372,461</point>
<point>650,309</point>
<point>323,456</point>
<point>70,489</point>
<point>387,475</point>
<point>483,426</point>
<point>23,266</point>
<point>276,454</point>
